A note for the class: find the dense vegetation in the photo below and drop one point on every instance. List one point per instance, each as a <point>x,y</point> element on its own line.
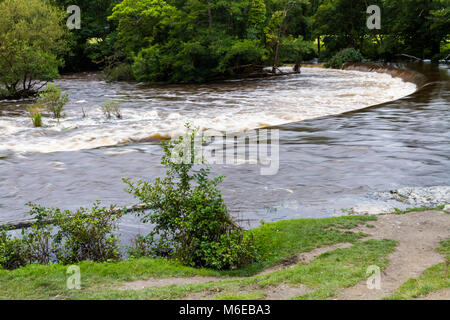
<point>32,36</point>
<point>194,41</point>
<point>202,40</point>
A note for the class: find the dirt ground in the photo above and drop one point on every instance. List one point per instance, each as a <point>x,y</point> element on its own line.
<point>418,235</point>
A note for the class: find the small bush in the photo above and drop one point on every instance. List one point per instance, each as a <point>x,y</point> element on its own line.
<point>38,243</point>
<point>231,251</point>
<point>13,253</point>
<point>344,56</point>
<point>191,221</point>
<point>112,108</point>
<point>35,114</point>
<point>53,100</point>
<point>119,72</point>
<point>140,247</point>
<point>86,234</point>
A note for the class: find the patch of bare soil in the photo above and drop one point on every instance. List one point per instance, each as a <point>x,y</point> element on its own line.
<point>284,291</point>
<point>162,282</point>
<point>305,257</point>
<point>281,292</point>
<point>443,294</point>
<point>418,235</point>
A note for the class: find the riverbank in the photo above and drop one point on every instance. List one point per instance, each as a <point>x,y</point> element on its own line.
<point>300,259</point>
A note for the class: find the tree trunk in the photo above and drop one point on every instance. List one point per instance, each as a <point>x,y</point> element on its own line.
<point>210,21</point>
<point>277,48</point>
<point>318,45</point>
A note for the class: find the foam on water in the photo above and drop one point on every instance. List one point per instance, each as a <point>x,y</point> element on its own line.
<point>162,111</point>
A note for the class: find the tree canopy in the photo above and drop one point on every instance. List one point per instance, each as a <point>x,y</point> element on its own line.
<point>419,28</point>
<point>199,40</point>
<point>31,37</point>
<point>202,40</point>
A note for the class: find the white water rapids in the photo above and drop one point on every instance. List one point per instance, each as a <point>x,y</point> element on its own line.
<point>162,111</point>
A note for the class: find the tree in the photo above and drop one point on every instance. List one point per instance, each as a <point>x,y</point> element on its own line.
<point>190,41</point>
<point>417,28</point>
<point>32,34</point>
<point>95,40</point>
<point>342,23</point>
<point>295,50</point>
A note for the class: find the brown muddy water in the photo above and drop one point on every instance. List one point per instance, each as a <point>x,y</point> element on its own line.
<point>342,140</point>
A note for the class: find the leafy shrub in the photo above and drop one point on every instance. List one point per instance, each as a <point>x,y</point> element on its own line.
<point>34,245</point>
<point>140,247</point>
<point>35,115</point>
<point>231,251</point>
<point>190,218</point>
<point>38,243</point>
<point>119,72</point>
<point>86,234</point>
<point>13,252</point>
<point>112,108</point>
<point>344,56</point>
<point>53,100</point>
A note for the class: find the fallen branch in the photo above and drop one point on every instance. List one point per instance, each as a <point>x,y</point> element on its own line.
<point>409,56</point>
<point>276,68</point>
<point>22,224</point>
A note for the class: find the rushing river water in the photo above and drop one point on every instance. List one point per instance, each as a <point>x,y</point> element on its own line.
<point>334,151</point>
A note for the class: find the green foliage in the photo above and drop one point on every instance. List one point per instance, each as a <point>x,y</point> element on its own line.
<point>231,251</point>
<point>190,219</point>
<point>89,45</point>
<point>13,253</point>
<point>420,29</point>
<point>32,34</point>
<point>53,100</point>
<point>203,40</point>
<point>141,247</point>
<point>111,108</point>
<point>119,72</point>
<point>344,56</point>
<point>257,14</point>
<point>197,41</point>
<point>35,115</point>
<point>295,50</point>
<point>86,234</point>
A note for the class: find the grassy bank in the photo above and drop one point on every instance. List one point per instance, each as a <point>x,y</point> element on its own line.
<point>323,277</point>
<point>276,242</point>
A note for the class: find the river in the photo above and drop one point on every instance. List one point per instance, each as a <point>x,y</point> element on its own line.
<point>344,137</point>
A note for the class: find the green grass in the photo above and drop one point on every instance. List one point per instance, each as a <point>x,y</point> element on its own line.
<point>284,239</point>
<point>325,276</point>
<point>434,278</point>
<point>276,242</point>
<point>419,209</point>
